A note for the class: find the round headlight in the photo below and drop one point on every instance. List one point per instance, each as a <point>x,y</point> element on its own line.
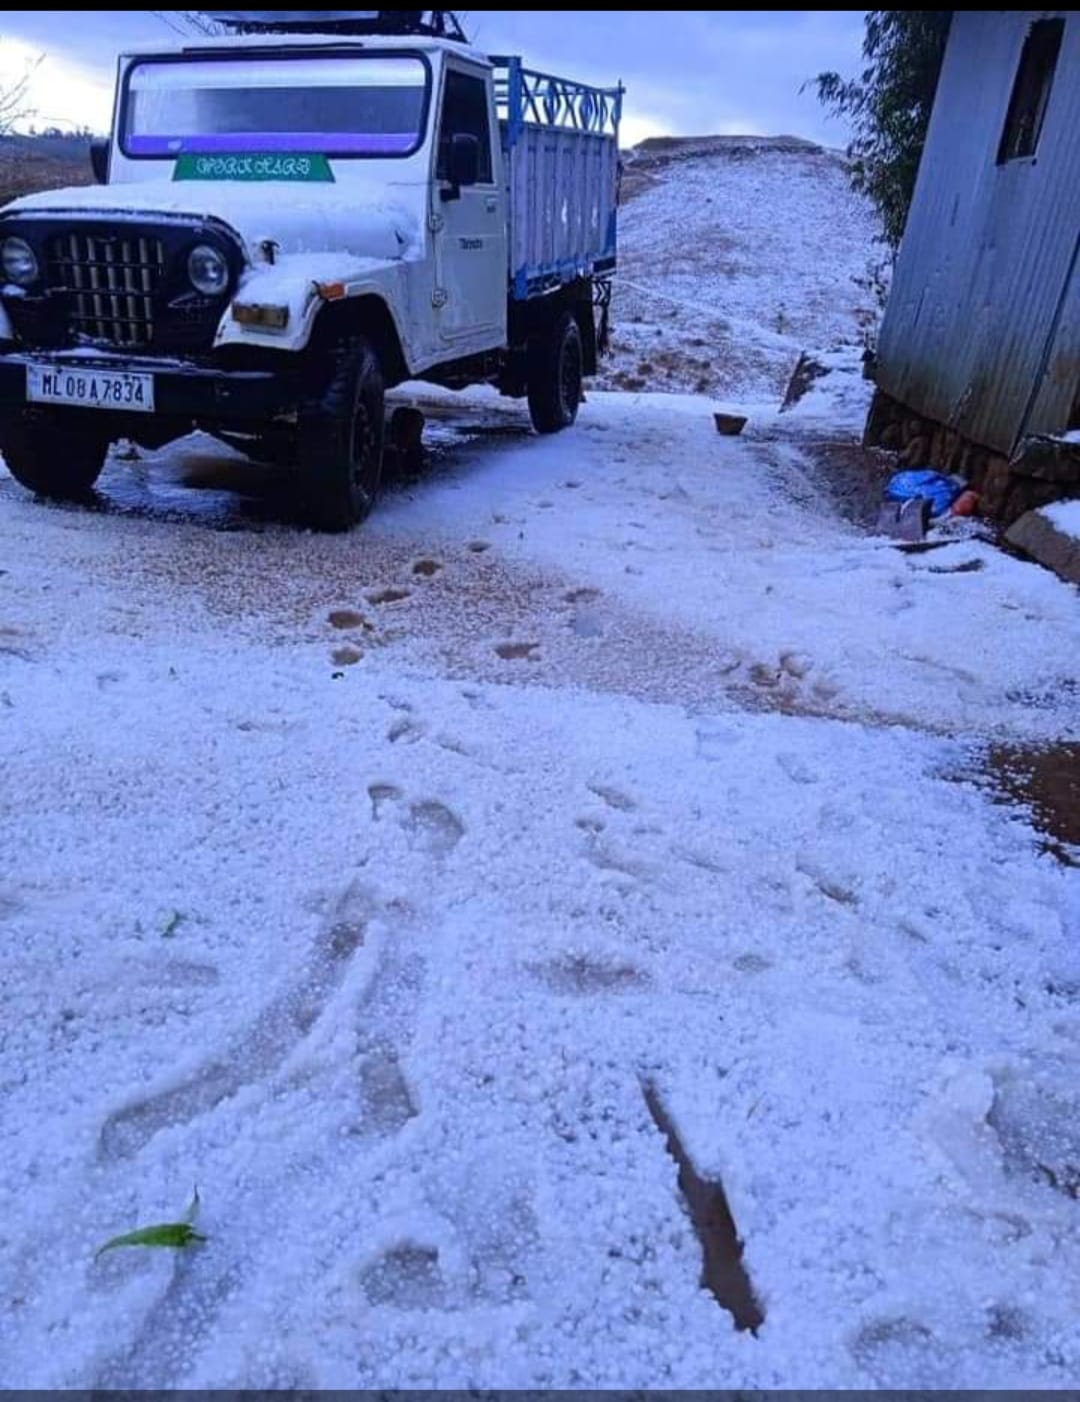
<point>208,270</point>
<point>19,262</point>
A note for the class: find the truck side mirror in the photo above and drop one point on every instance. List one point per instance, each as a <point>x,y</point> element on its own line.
<point>99,159</point>
<point>463,165</point>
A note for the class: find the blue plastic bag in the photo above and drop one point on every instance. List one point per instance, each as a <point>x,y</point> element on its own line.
<point>940,491</point>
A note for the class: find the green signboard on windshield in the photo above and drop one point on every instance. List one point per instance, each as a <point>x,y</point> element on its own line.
<point>254,167</point>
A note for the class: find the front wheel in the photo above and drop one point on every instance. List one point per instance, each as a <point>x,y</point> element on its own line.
<point>52,457</point>
<point>341,432</point>
<point>554,374</point>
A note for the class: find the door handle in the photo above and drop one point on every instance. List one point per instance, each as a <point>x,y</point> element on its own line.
<point>491,204</point>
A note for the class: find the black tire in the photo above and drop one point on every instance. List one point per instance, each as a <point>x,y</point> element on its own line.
<point>341,433</point>
<point>52,457</point>
<point>554,373</point>
<point>405,444</point>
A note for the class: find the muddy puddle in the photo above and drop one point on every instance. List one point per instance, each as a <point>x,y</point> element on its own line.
<point>200,481</point>
<point>1046,781</point>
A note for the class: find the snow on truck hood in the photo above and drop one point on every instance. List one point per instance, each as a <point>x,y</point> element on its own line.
<point>321,219</point>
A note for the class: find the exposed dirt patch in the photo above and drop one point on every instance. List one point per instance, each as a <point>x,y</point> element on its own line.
<point>8,649</point>
<point>723,1273</point>
<point>406,1276</point>
<point>752,963</point>
<point>921,547</point>
<point>614,798</point>
<point>25,169</point>
<point>381,795</point>
<point>388,1103</point>
<point>577,973</point>
<point>346,619</point>
<point>803,378</point>
<point>967,567</point>
<point>434,827</point>
<point>854,476</point>
<point>405,731</point>
<point>496,613</point>
<point>1046,780</point>
<point>427,568</point>
<point>883,1343</point>
<point>517,652</point>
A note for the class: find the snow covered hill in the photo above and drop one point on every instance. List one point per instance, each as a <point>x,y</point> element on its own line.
<point>735,254</point>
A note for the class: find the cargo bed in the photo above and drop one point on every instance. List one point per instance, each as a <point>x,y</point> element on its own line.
<point>561,148</point>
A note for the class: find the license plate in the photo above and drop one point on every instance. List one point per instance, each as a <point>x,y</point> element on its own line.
<point>90,389</point>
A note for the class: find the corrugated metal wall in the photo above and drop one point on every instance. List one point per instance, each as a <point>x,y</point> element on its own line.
<point>982,328</point>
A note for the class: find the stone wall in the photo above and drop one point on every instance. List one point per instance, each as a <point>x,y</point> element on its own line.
<point>1042,471</point>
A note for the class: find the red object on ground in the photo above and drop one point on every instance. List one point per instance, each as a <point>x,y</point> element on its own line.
<point>965,504</point>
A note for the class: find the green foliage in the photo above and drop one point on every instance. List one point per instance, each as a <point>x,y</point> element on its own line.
<point>889,106</point>
<point>173,1235</point>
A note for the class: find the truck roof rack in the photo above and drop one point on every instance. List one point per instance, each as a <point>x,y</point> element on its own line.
<point>439,24</point>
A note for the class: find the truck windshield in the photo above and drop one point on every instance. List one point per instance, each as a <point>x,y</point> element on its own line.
<point>355,106</point>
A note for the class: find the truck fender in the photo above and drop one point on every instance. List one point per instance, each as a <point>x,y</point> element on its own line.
<point>367,315</point>
<point>306,297</point>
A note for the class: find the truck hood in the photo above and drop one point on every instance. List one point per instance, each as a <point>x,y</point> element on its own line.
<point>369,222</point>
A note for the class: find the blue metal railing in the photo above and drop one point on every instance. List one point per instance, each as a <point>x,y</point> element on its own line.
<point>526,97</point>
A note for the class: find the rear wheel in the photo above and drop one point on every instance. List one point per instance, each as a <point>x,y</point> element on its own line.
<point>51,456</point>
<point>340,439</point>
<point>554,374</point>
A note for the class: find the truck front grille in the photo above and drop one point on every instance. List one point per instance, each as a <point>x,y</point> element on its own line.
<point>113,282</point>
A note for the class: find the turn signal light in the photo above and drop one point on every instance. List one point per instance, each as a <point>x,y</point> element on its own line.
<point>260,314</point>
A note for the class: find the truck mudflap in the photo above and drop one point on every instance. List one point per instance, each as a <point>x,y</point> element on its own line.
<point>170,390</point>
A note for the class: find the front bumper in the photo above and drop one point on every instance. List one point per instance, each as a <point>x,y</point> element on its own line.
<point>181,391</point>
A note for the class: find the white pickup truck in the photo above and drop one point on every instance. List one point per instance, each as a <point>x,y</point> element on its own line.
<point>291,219</point>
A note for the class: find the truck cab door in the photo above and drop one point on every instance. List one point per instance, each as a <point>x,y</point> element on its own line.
<point>469,219</point>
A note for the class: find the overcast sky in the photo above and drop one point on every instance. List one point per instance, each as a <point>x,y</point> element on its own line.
<point>688,72</point>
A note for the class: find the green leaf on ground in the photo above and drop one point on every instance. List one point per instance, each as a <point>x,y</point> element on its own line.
<point>175,1235</point>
